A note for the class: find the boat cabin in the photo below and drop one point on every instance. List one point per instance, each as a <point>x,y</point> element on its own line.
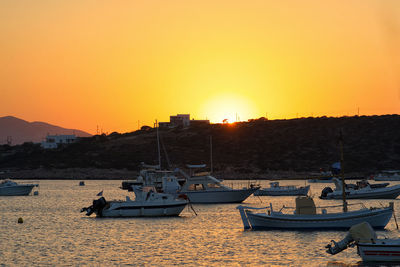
<point>202,183</point>
<point>305,205</point>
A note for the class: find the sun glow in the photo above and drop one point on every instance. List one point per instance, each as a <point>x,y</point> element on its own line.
<point>228,107</point>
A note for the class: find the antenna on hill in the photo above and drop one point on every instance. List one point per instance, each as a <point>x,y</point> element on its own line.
<point>9,140</point>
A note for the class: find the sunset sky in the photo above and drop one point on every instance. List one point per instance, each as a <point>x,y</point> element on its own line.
<point>79,64</point>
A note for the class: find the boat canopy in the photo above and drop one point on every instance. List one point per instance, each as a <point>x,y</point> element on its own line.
<point>363,233</point>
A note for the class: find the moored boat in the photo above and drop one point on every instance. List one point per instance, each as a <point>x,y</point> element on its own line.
<point>206,189</point>
<point>306,217</point>
<point>277,190</point>
<point>393,175</point>
<point>11,188</point>
<point>363,192</point>
<point>369,247</point>
<point>147,203</point>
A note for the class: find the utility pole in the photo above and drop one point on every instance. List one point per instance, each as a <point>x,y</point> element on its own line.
<point>9,140</point>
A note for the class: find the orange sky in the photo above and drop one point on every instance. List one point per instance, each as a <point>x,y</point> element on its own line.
<point>79,64</point>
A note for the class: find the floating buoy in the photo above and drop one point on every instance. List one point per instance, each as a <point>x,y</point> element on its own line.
<point>36,193</point>
<point>20,220</point>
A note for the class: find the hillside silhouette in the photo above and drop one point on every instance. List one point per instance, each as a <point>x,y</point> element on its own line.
<point>18,131</point>
<point>371,144</point>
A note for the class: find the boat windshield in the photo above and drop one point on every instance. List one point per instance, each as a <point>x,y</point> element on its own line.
<point>214,185</point>
<point>7,181</point>
<point>196,187</point>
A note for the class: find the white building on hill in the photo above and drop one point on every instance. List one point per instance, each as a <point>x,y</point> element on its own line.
<point>181,120</point>
<point>53,141</point>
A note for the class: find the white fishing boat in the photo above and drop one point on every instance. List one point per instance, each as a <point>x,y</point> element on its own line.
<point>305,216</point>
<point>147,203</point>
<point>208,189</point>
<point>204,188</point>
<point>393,175</point>
<point>365,191</point>
<point>277,190</point>
<point>11,188</point>
<point>369,247</point>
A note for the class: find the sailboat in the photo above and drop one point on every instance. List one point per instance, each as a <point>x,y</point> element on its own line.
<point>305,215</point>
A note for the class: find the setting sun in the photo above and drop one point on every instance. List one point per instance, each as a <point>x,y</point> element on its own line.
<point>231,107</point>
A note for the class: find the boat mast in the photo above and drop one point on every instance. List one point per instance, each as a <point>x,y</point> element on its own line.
<point>211,159</point>
<point>342,172</point>
<point>158,146</point>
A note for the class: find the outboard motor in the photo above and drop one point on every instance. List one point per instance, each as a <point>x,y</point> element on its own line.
<point>326,191</point>
<point>359,233</point>
<point>97,207</point>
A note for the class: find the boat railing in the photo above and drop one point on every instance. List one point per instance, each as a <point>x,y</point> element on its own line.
<point>293,208</point>
<point>241,185</point>
<point>325,207</point>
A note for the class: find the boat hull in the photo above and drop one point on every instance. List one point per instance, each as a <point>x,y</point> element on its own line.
<point>377,218</point>
<point>219,196</point>
<point>132,210</point>
<point>379,253</point>
<point>379,193</point>
<point>18,190</point>
<point>294,192</point>
<point>320,180</point>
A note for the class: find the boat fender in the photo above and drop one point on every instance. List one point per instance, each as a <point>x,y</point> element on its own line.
<point>183,196</point>
<point>326,191</point>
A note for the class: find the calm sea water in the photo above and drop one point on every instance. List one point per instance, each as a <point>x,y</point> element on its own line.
<point>54,232</point>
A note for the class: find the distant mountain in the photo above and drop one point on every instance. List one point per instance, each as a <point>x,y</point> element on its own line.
<point>19,131</point>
